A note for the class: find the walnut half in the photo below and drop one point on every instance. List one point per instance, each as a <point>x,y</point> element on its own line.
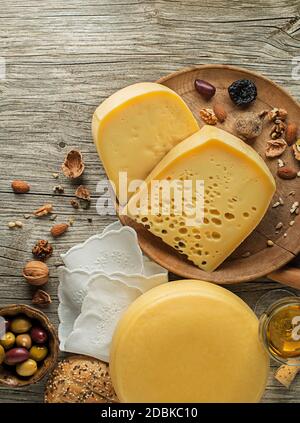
<point>208,116</point>
<point>275,148</point>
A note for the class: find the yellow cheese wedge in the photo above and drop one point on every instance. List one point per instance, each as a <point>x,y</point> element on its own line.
<point>135,127</point>
<point>188,341</point>
<point>238,188</point>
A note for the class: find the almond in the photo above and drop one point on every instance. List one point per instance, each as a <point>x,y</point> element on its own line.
<point>286,172</point>
<point>220,112</point>
<point>59,229</point>
<point>291,133</point>
<point>20,187</point>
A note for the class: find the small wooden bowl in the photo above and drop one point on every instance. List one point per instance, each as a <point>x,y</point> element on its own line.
<point>10,378</point>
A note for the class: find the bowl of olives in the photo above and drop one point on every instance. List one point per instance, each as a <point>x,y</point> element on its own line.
<point>29,346</point>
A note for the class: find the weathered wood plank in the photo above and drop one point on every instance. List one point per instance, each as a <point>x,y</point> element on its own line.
<point>63,59</point>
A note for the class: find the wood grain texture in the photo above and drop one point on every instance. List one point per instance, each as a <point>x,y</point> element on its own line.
<point>63,59</point>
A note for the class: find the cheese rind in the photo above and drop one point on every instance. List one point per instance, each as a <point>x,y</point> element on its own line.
<point>135,127</point>
<point>238,188</point>
<point>188,341</point>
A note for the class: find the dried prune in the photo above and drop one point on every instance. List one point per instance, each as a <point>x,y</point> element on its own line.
<point>242,92</point>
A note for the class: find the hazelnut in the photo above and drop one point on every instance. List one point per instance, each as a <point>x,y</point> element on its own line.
<point>36,272</point>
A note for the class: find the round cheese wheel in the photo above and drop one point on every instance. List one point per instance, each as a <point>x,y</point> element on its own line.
<point>188,341</point>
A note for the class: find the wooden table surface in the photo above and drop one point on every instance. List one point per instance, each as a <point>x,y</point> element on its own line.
<point>63,59</point>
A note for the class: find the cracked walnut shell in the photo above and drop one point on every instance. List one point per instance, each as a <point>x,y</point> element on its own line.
<point>73,165</point>
<point>275,148</point>
<point>83,193</point>
<point>41,298</point>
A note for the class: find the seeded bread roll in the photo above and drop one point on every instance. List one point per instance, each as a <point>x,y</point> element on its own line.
<point>80,379</point>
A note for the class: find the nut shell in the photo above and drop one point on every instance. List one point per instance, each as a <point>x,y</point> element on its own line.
<point>80,379</point>
<point>36,273</point>
<point>73,165</point>
<point>275,148</point>
<point>83,193</point>
<point>8,377</point>
<point>41,298</point>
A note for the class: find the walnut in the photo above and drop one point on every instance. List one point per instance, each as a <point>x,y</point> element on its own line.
<point>73,165</point>
<point>41,298</point>
<point>249,126</point>
<point>44,210</point>
<point>276,113</point>
<point>296,148</point>
<point>278,129</point>
<point>275,148</point>
<point>208,116</point>
<point>42,249</point>
<point>36,272</point>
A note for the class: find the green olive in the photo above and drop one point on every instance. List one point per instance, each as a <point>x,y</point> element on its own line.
<point>27,368</point>
<point>8,340</point>
<point>38,352</point>
<point>20,325</point>
<point>24,341</point>
<point>2,354</point>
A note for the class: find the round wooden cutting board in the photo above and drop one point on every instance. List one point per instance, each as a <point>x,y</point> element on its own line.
<point>262,259</point>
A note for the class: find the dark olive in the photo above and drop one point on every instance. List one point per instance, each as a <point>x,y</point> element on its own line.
<point>15,356</point>
<point>38,335</point>
<point>204,88</point>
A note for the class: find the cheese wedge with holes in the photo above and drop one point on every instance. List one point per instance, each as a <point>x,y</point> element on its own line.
<point>134,129</point>
<point>188,341</point>
<point>238,188</point>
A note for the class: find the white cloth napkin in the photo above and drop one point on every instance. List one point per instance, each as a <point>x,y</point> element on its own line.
<point>102,277</point>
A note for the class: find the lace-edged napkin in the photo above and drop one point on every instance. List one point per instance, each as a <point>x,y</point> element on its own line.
<point>106,300</point>
<point>112,251</point>
<point>124,274</point>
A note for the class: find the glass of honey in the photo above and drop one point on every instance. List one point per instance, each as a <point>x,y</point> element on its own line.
<point>279,330</point>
